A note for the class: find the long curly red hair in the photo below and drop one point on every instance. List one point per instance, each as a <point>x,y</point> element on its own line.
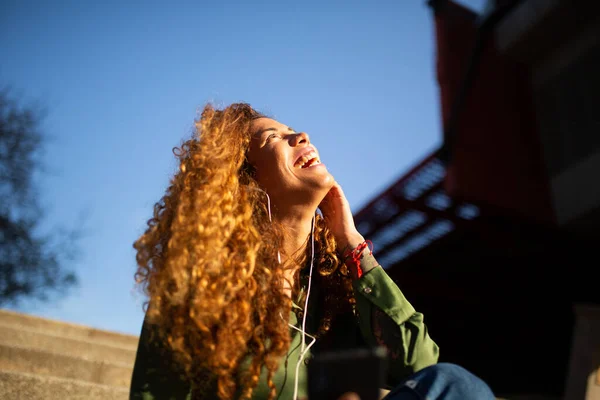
<point>208,261</point>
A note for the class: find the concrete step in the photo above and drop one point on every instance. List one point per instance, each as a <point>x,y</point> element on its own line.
<point>24,386</point>
<point>67,330</point>
<point>22,359</point>
<point>83,348</point>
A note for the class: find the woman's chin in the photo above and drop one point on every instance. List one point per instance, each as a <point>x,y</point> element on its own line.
<point>328,181</point>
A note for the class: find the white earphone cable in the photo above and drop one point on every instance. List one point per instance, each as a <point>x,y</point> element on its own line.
<point>304,349</point>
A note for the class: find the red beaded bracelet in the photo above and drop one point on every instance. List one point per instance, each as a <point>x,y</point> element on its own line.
<point>356,254</point>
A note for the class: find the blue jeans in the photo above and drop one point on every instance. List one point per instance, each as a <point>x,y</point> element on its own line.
<point>442,381</point>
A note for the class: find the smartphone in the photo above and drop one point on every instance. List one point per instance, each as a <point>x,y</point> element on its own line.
<point>362,371</point>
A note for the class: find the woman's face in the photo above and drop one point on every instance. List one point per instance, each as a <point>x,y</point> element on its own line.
<point>287,165</point>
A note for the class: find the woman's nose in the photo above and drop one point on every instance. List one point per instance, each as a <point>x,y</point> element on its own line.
<point>301,137</point>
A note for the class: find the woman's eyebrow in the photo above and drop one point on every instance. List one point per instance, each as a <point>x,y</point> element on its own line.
<point>260,132</point>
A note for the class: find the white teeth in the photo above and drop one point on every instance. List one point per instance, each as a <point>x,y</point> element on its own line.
<point>306,158</point>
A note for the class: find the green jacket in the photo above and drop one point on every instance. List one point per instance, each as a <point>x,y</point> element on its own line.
<point>384,317</point>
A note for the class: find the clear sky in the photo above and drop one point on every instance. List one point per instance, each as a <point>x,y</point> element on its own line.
<point>122,83</point>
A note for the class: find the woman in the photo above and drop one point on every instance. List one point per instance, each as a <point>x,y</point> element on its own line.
<point>235,254</point>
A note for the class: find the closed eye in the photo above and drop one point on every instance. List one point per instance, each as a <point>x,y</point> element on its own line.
<point>271,136</point>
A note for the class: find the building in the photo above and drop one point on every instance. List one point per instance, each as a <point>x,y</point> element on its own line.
<point>493,236</point>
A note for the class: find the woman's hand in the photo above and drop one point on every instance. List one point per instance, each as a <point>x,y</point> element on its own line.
<point>338,217</point>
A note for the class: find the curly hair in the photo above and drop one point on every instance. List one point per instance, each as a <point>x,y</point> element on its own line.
<point>208,261</point>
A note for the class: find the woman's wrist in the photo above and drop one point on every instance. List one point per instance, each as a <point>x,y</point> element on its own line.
<point>357,255</point>
<point>349,242</point>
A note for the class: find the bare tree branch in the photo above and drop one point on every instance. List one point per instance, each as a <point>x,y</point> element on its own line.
<point>31,265</point>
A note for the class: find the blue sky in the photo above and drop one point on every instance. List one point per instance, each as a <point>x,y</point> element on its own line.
<point>122,83</point>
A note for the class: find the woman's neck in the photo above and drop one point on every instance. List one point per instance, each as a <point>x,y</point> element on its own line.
<point>297,226</point>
